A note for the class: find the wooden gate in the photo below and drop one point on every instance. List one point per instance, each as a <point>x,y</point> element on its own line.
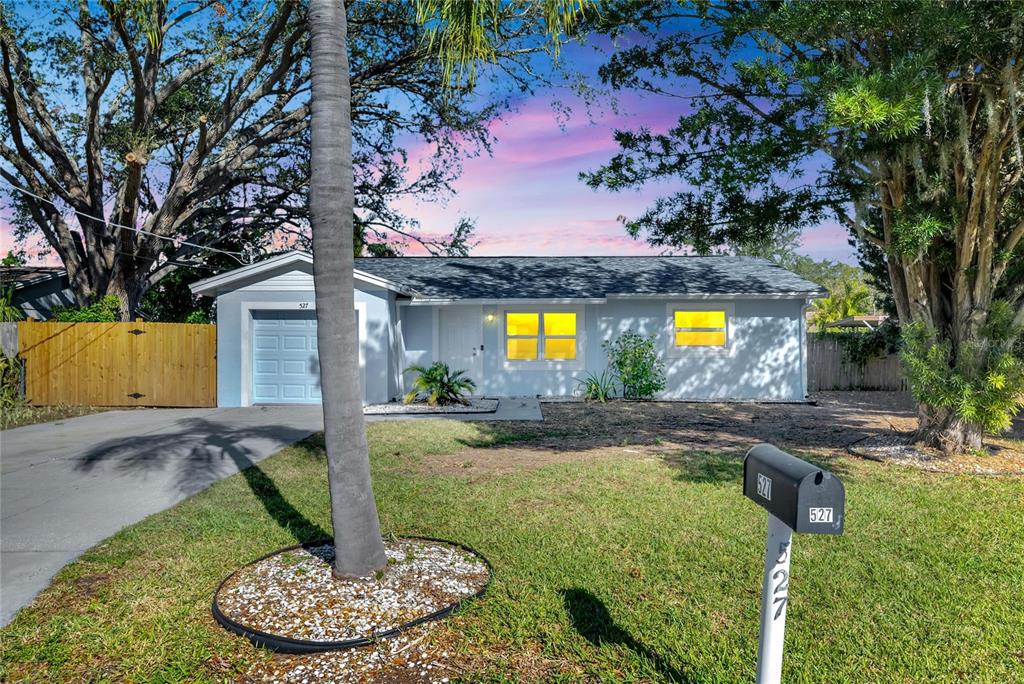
<point>119,364</point>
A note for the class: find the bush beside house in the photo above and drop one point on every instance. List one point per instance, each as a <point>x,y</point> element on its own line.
<point>634,361</point>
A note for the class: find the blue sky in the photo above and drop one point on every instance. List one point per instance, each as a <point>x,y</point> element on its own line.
<point>526,197</point>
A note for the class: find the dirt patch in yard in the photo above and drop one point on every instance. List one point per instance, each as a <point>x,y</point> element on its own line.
<point>1002,458</point>
<point>583,432</point>
<point>88,586</point>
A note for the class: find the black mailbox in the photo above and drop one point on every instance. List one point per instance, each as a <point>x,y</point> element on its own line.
<point>801,495</point>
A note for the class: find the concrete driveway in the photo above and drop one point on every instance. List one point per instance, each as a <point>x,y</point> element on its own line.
<point>68,485</point>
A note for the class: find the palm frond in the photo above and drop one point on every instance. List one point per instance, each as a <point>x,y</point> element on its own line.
<point>464,33</point>
<point>438,384</point>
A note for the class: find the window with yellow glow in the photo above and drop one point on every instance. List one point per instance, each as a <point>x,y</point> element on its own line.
<point>522,348</point>
<point>522,324</point>
<point>699,328</point>
<point>533,336</point>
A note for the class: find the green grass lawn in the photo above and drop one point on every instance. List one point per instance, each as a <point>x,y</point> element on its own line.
<point>614,568</point>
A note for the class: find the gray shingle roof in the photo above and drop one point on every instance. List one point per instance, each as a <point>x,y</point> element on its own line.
<point>584,277</point>
<point>24,276</point>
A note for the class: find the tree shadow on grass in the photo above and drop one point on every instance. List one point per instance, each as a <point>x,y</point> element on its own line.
<point>198,454</point>
<point>706,466</point>
<point>591,619</point>
<point>269,494</point>
<point>721,467</point>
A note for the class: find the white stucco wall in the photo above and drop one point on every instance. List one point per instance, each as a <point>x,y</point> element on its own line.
<point>287,291</point>
<point>763,361</point>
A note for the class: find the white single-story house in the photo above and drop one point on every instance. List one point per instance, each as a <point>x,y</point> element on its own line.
<point>727,328</point>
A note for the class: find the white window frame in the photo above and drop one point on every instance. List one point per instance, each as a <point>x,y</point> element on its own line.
<point>541,363</point>
<point>670,330</point>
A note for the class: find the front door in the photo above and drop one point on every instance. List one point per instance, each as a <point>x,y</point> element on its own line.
<point>460,338</point>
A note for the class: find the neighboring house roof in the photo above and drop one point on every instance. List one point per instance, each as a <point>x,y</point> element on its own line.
<point>26,276</point>
<point>870,322</point>
<point>554,277</point>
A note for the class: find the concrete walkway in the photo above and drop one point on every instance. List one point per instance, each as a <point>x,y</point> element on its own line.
<point>68,485</point>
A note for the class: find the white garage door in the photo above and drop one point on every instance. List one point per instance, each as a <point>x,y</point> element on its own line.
<point>285,363</point>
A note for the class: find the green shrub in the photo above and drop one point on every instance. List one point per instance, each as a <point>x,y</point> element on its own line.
<point>597,386</point>
<point>104,310</point>
<point>10,383</point>
<point>984,386</point>
<point>634,362</point>
<point>9,313</point>
<point>197,316</point>
<point>439,385</point>
<point>860,346</point>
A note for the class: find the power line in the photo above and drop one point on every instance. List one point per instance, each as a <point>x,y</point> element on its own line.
<point>238,256</point>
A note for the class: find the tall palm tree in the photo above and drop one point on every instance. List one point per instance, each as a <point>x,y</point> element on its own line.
<point>461,33</point>
<point>358,548</point>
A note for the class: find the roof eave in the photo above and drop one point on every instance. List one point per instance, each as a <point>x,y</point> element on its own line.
<point>383,282</point>
<point>37,279</point>
<point>428,301</point>
<point>215,284</point>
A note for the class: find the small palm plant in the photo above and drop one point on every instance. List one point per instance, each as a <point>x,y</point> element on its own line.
<point>597,386</point>
<point>8,311</point>
<point>439,385</point>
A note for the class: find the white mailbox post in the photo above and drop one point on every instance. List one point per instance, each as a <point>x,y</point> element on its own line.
<point>799,497</point>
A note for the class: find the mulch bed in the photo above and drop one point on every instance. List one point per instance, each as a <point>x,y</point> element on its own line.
<point>294,594</point>
<point>901,448</point>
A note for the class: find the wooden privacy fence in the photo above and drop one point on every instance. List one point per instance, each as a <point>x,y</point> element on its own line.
<point>119,364</point>
<point>828,369</point>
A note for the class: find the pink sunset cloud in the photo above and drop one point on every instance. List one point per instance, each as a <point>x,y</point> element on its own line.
<point>535,136</point>
<point>36,251</point>
<point>527,198</point>
<point>827,241</point>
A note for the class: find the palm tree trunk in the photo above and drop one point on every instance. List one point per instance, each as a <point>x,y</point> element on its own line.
<point>359,550</point>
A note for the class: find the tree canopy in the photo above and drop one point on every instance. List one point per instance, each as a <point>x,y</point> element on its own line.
<point>901,119</point>
<point>189,121</point>
<point>792,113</point>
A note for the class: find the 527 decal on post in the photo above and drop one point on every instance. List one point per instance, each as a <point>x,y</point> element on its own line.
<point>780,594</point>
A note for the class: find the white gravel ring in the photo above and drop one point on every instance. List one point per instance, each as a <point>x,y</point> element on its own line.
<point>291,645</point>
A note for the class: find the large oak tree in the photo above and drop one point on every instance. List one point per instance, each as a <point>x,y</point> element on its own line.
<point>189,120</point>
